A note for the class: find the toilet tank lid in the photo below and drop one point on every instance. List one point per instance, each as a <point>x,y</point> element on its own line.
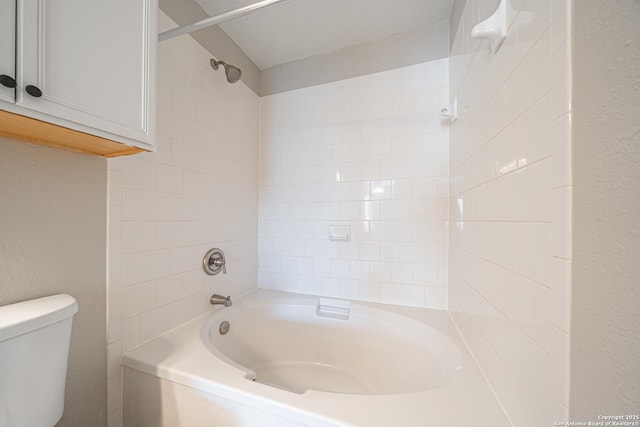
<point>23,317</point>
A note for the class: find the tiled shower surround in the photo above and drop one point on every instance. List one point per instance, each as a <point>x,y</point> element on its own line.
<point>264,179</point>
<point>166,209</point>
<point>369,153</point>
<point>509,281</point>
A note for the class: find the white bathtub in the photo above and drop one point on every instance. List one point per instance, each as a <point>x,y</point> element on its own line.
<point>286,361</point>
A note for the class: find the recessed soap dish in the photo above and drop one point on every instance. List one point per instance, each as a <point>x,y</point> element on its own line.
<point>339,232</point>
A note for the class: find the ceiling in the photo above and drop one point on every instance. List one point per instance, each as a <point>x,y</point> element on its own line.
<point>298,29</point>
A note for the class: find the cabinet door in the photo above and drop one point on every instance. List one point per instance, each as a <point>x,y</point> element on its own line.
<point>7,49</point>
<point>92,60</point>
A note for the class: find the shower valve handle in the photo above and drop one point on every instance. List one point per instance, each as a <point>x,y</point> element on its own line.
<point>214,262</point>
<point>220,262</point>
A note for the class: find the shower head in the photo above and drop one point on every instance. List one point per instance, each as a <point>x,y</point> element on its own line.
<point>233,73</point>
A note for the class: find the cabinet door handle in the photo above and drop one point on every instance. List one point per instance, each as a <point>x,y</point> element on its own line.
<point>7,81</point>
<point>33,91</point>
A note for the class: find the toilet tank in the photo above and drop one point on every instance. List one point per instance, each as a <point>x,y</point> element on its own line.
<point>34,349</point>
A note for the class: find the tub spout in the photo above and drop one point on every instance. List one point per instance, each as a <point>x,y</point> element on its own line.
<point>219,299</point>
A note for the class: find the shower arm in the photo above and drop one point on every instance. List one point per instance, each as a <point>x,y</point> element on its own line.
<point>218,19</point>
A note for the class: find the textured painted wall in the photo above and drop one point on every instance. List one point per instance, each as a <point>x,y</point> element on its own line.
<point>53,240</point>
<point>456,17</point>
<point>400,50</point>
<point>605,319</point>
<point>213,39</point>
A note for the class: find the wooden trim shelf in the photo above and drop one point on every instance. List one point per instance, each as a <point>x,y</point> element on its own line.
<point>36,131</point>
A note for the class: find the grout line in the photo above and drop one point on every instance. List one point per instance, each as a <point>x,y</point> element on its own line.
<point>477,363</point>
<point>504,268</point>
<point>505,174</point>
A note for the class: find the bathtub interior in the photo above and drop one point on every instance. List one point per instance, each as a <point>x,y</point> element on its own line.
<point>288,345</point>
<point>211,383</point>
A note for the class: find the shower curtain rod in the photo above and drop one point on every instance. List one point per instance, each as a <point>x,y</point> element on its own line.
<point>213,20</point>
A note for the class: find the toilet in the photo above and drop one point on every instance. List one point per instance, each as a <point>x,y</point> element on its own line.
<point>34,349</point>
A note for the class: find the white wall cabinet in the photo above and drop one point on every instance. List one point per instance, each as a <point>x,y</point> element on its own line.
<point>7,50</point>
<point>87,65</point>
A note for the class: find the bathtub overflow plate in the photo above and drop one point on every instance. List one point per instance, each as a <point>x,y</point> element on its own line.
<point>224,327</point>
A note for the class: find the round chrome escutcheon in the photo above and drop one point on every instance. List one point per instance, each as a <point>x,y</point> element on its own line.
<point>224,327</point>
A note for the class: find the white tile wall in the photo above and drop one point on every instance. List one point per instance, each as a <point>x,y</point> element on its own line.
<point>371,153</point>
<point>166,209</point>
<point>510,244</point>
